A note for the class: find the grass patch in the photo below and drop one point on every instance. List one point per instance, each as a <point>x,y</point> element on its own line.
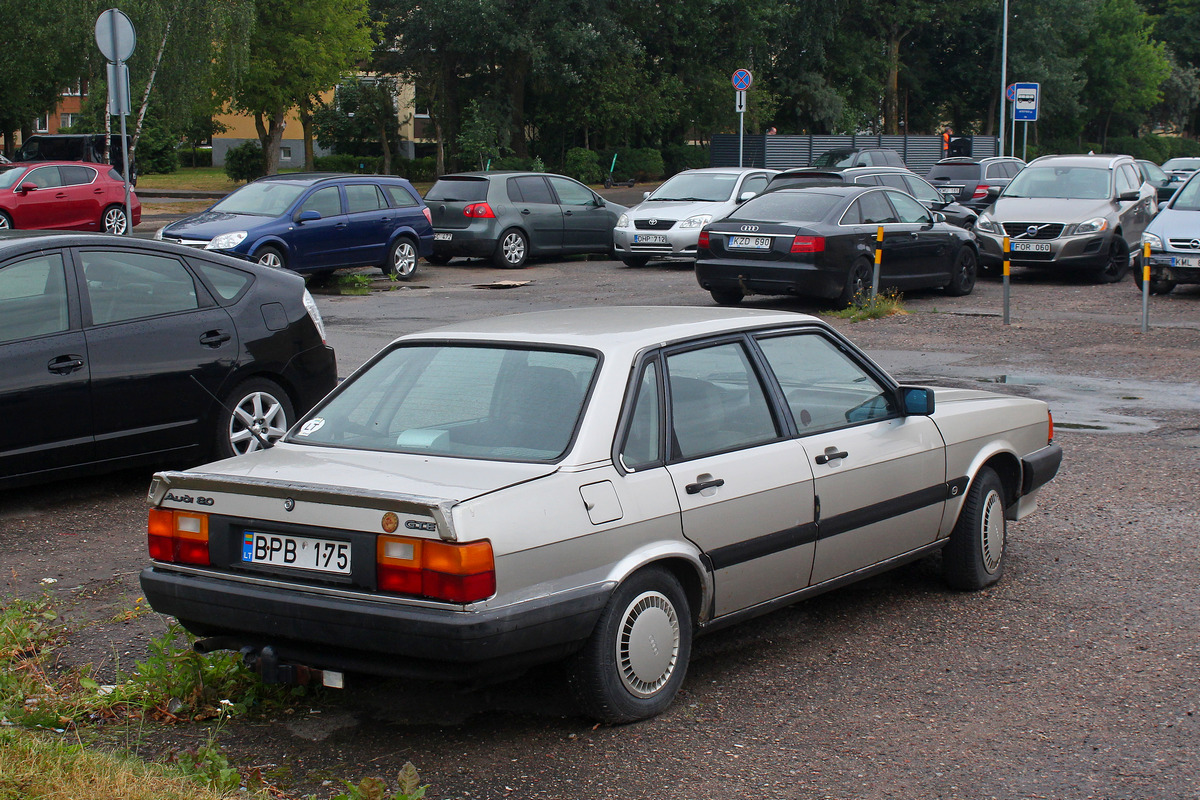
<point>862,307</point>
<point>198,179</point>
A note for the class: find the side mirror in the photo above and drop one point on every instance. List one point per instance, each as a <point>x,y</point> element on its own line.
<point>744,196</point>
<point>25,188</point>
<point>917,400</point>
<point>1134,195</point>
<point>645,195</point>
<point>939,216</point>
<point>307,216</point>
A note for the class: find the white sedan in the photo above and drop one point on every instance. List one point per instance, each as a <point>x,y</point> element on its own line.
<point>598,485</point>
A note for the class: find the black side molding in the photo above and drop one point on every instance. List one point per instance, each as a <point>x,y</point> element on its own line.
<point>1039,467</point>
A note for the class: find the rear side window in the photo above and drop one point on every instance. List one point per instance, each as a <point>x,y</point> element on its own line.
<point>466,190</point>
<point>529,189</point>
<point>894,181</point>
<point>363,197</point>
<point>76,176</point>
<point>227,282</point>
<point>399,195</point>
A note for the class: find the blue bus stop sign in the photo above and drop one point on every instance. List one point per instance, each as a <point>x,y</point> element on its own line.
<point>1025,104</point>
<point>742,80</point>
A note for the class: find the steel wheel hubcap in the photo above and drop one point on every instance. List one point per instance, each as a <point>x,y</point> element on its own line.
<point>648,644</point>
<point>262,413</point>
<point>992,531</point>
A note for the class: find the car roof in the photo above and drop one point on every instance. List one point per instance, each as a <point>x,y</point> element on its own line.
<point>608,328</point>
<point>1081,160</point>
<point>842,171</point>
<point>309,178</point>
<point>17,241</point>
<point>725,170</point>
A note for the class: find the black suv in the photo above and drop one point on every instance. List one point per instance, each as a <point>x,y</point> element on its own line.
<point>845,157</point>
<point>897,177</point>
<point>974,182</point>
<point>94,148</point>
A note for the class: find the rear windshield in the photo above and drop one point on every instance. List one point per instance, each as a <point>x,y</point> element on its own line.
<point>268,199</point>
<point>466,190</point>
<point>835,158</point>
<point>504,403</point>
<point>786,207</point>
<point>954,172</point>
<point>804,179</point>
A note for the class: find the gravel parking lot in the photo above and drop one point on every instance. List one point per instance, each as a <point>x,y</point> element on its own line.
<point>1075,677</point>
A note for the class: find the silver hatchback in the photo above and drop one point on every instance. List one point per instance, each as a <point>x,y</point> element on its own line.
<point>666,226</point>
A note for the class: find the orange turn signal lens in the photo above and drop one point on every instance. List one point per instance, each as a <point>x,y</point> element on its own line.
<point>1050,432</point>
<point>178,537</point>
<point>458,573</point>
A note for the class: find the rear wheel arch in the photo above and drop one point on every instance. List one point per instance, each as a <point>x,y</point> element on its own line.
<point>1008,468</point>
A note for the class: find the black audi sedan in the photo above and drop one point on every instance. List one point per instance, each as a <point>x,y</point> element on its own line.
<point>117,351</point>
<point>820,241</point>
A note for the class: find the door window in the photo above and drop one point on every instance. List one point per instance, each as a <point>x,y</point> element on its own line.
<point>1125,183</point>
<point>922,190</point>
<point>894,180</point>
<point>571,193</point>
<point>44,178</point>
<point>755,183</point>
<point>77,176</point>
<point>908,209</point>
<point>824,388</point>
<point>33,298</point>
<point>717,402</point>
<point>641,439</point>
<point>327,202</point>
<point>874,209</point>
<point>364,197</point>
<point>123,286</point>
<point>529,189</point>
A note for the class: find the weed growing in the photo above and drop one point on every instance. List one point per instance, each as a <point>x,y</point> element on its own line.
<point>863,306</point>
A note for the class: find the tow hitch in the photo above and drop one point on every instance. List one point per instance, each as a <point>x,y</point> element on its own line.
<point>265,661</point>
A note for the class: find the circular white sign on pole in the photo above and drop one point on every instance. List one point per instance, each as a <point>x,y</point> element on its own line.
<point>114,35</point>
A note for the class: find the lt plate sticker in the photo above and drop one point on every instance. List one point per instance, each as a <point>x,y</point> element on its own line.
<point>312,426</point>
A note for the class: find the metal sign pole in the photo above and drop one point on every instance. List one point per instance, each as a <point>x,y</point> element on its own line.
<point>1007,269</point>
<point>1146,287</point>
<point>741,135</point>
<point>878,261</point>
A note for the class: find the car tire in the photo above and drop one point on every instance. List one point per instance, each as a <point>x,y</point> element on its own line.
<point>1117,265</point>
<point>974,556</point>
<point>271,256</point>
<point>259,403</point>
<point>6,223</point>
<point>402,259</point>
<point>1156,287</point>
<point>858,282</point>
<point>635,261</point>
<point>727,297</point>
<point>114,220</point>
<point>635,660</point>
<point>511,250</point>
<point>441,261</point>
<point>962,278</point>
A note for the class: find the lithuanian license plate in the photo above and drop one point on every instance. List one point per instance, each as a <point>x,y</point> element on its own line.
<point>298,552</point>
<point>649,238</point>
<point>443,237</point>
<point>1030,247</point>
<point>1185,262</point>
<point>750,242</point>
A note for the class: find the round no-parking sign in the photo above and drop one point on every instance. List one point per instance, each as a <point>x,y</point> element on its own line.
<point>742,80</point>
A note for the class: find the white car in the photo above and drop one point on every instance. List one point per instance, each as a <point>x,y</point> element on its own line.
<point>667,223</point>
<point>598,485</point>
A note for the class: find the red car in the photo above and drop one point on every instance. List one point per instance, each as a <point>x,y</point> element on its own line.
<point>65,195</point>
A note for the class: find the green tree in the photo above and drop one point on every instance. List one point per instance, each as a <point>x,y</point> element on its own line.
<point>361,120</point>
<point>1125,68</point>
<point>299,48</point>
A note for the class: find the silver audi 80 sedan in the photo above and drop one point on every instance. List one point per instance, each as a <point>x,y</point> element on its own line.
<point>598,485</point>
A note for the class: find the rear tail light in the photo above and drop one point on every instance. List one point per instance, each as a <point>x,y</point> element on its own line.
<point>314,314</point>
<point>702,242</point>
<point>428,214</point>
<point>981,191</point>
<point>178,537</point>
<point>1050,431</point>
<point>808,244</point>
<point>479,211</point>
<point>456,573</point>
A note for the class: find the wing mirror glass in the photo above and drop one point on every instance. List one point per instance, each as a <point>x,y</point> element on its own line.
<point>918,400</point>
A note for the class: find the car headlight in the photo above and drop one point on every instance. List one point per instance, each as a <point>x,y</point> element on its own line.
<point>623,222</point>
<point>988,225</point>
<point>1155,242</point>
<point>158,233</point>
<point>698,221</point>
<point>1093,225</point>
<point>226,241</point>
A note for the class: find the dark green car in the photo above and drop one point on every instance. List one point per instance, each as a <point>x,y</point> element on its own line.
<point>510,217</point>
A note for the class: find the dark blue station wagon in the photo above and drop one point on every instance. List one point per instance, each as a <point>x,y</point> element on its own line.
<point>316,222</point>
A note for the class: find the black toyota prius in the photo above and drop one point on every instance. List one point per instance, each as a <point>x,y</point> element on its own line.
<point>117,351</point>
<point>820,241</point>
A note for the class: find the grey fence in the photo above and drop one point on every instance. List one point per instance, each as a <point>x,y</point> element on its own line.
<point>784,152</point>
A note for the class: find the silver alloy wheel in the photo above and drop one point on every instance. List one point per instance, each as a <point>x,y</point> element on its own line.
<point>262,412</point>
<point>404,259</point>
<point>4,224</point>
<point>513,247</point>
<point>270,258</point>
<point>114,220</point>
<point>991,531</point>
<point>648,644</point>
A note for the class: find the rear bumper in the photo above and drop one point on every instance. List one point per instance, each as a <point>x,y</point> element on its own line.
<point>1039,468</point>
<point>465,242</point>
<point>755,277</point>
<point>366,634</point>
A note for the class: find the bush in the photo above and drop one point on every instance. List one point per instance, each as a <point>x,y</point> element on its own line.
<point>1179,147</point>
<point>678,157</point>
<point>156,151</point>
<point>514,163</point>
<point>583,165</point>
<point>417,170</point>
<point>644,164</point>
<point>199,157</point>
<point>1151,148</point>
<point>245,162</point>
<point>345,162</point>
